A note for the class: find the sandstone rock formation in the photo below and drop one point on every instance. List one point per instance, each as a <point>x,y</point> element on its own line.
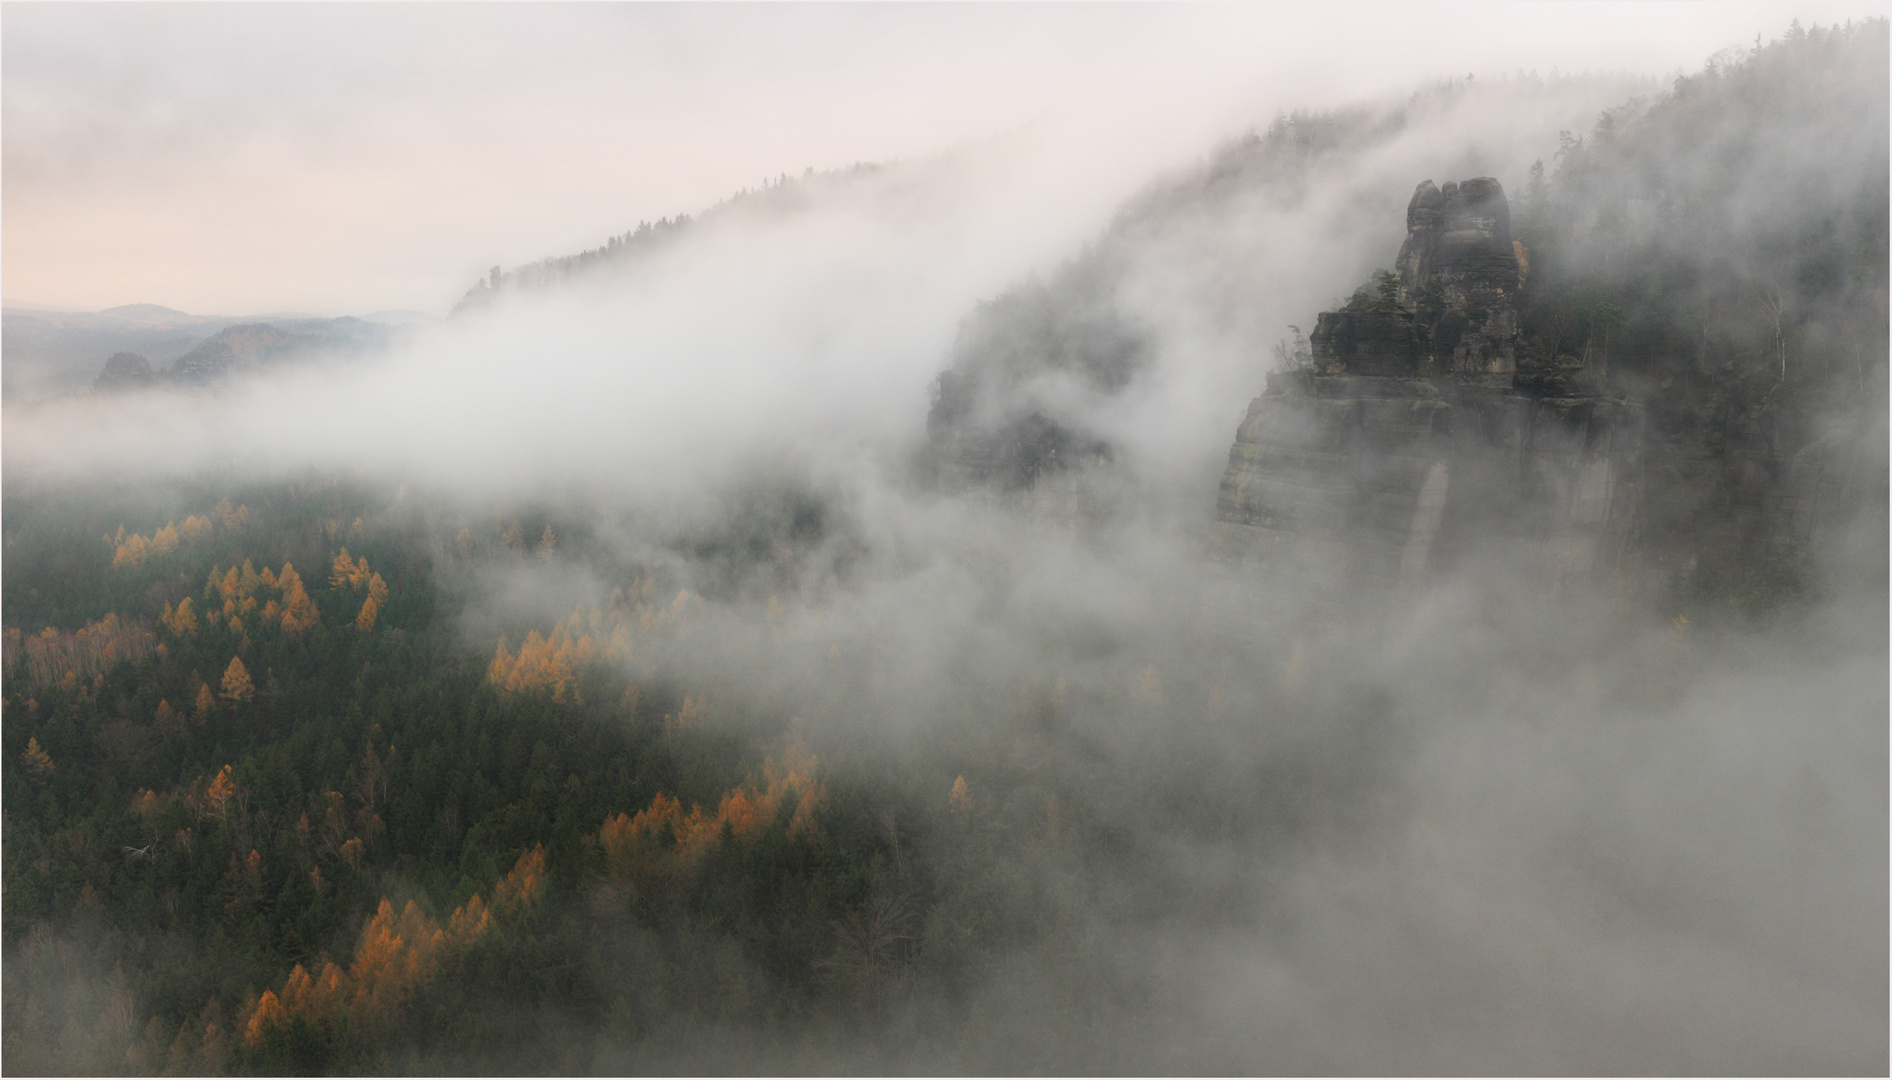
<point>1415,435</point>
<point>236,349</point>
<point>124,371</point>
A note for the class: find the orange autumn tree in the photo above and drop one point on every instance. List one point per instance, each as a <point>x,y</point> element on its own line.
<point>181,621</point>
<point>298,611</point>
<point>370,611</point>
<point>658,850</point>
<point>240,591</point>
<point>550,662</point>
<point>217,796</point>
<point>236,681</point>
<point>133,550</point>
<point>354,574</point>
<point>399,952</point>
<point>233,517</point>
<point>37,760</point>
<point>348,573</point>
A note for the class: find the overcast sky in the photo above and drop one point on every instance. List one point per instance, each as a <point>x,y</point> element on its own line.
<point>337,159</point>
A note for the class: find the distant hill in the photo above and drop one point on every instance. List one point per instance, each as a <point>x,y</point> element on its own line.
<point>51,353</point>
<point>145,311</point>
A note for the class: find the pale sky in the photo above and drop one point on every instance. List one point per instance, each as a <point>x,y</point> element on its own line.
<point>347,158</point>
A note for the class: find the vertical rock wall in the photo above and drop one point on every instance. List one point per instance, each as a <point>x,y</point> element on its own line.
<point>1411,443</point>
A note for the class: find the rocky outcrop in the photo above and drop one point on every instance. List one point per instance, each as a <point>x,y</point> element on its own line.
<point>1412,438</point>
<point>246,347</point>
<point>1451,307</point>
<point>240,348</point>
<point>124,371</point>
<point>206,365</point>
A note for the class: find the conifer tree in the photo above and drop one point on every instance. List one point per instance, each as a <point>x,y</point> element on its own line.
<point>217,795</point>
<point>236,681</point>
<point>342,575</point>
<point>370,610</point>
<point>38,761</point>
<point>298,611</point>
<point>181,621</point>
<point>130,553</point>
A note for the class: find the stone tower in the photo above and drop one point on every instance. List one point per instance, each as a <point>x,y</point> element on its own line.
<point>1413,439</point>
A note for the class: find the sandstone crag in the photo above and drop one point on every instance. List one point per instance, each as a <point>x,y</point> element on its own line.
<point>1412,438</point>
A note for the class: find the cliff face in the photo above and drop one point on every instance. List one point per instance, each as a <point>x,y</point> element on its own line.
<point>1415,436</point>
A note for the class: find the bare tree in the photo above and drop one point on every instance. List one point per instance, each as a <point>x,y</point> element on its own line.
<point>871,949</point>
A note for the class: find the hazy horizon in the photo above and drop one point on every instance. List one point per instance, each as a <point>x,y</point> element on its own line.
<point>341,160</point>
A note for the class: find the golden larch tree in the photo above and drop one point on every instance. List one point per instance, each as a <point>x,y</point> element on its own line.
<point>37,760</point>
<point>233,517</point>
<point>217,796</point>
<point>236,681</point>
<point>298,611</point>
<point>370,610</point>
<point>181,621</point>
<point>269,1013</point>
<point>342,574</point>
<point>131,552</point>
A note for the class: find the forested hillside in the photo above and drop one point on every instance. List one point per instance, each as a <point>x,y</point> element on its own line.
<point>1713,255</point>
<point>1731,277</point>
<point>269,811</point>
